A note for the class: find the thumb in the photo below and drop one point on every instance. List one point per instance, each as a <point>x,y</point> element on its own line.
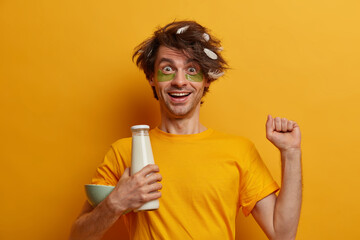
<point>124,176</point>
<point>269,125</point>
<point>126,173</point>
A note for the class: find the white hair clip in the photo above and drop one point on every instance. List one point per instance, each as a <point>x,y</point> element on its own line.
<point>210,54</point>
<point>215,74</point>
<point>149,54</point>
<point>206,37</point>
<point>220,49</point>
<point>182,29</point>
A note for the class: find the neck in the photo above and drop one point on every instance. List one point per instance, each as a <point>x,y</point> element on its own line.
<point>189,124</point>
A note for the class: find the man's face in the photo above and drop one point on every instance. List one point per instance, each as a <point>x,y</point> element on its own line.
<point>178,81</point>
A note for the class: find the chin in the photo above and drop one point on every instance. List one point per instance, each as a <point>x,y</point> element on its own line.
<point>181,111</point>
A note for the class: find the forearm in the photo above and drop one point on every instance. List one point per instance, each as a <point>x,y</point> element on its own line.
<point>93,225</point>
<point>288,203</point>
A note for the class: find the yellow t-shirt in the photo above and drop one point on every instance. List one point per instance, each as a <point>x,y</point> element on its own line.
<point>207,177</point>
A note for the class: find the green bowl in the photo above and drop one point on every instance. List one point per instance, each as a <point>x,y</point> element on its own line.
<point>96,193</point>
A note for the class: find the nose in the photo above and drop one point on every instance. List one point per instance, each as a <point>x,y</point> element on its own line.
<point>179,80</point>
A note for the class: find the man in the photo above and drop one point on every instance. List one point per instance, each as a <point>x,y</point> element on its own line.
<point>206,175</point>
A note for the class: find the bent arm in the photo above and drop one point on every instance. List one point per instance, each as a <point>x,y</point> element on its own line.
<point>279,216</point>
<point>130,193</point>
<point>93,223</point>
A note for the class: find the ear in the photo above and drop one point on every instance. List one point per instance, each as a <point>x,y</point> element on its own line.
<point>152,81</point>
<point>207,82</point>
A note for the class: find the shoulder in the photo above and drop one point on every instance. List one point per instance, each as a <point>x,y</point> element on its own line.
<point>123,142</point>
<point>236,147</point>
<point>121,146</point>
<point>239,141</point>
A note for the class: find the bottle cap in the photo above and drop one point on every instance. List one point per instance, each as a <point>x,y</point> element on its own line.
<point>136,127</point>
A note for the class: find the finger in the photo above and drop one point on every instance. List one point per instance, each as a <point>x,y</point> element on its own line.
<point>153,187</point>
<point>273,123</point>
<point>155,177</point>
<point>290,126</point>
<point>284,122</point>
<point>148,169</point>
<point>154,195</point>
<point>278,124</point>
<point>126,173</point>
<point>269,125</point>
<point>296,128</point>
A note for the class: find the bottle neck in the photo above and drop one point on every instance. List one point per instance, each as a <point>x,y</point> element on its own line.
<point>140,132</point>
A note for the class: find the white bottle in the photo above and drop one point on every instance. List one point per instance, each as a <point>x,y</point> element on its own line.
<point>141,155</point>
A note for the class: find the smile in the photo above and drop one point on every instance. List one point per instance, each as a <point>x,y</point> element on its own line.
<point>178,94</point>
<point>179,97</point>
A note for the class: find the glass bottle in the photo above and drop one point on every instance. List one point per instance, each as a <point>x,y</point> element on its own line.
<point>141,155</point>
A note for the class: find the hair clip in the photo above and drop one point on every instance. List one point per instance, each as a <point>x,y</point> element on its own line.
<point>215,74</point>
<point>210,54</point>
<point>182,29</point>
<point>149,54</point>
<point>220,49</point>
<point>206,37</point>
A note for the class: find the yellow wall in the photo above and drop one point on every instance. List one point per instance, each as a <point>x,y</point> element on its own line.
<point>68,89</point>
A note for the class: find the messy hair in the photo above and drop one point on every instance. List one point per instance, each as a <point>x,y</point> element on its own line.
<point>187,36</point>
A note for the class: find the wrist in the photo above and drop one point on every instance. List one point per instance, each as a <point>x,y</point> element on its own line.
<point>290,153</point>
<point>291,150</point>
<point>114,207</point>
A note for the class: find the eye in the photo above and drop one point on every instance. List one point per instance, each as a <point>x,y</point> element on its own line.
<point>192,70</point>
<point>167,69</point>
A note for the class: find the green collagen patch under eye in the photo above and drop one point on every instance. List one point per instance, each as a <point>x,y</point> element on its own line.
<point>195,78</point>
<point>162,77</point>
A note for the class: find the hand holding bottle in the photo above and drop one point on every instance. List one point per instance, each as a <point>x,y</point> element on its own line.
<point>132,192</point>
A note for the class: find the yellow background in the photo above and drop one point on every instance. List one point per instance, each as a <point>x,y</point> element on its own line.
<point>68,89</point>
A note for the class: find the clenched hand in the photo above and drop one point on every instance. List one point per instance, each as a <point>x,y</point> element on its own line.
<point>283,133</point>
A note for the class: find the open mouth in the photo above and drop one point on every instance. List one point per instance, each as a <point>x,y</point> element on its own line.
<point>178,95</point>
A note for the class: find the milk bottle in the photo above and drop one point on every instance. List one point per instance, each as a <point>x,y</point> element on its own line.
<point>141,155</point>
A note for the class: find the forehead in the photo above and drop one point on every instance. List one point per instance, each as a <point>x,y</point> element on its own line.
<point>175,55</point>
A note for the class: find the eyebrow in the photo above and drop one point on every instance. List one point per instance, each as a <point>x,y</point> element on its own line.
<point>191,60</point>
<point>166,60</point>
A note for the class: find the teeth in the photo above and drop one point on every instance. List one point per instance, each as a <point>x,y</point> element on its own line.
<point>179,94</point>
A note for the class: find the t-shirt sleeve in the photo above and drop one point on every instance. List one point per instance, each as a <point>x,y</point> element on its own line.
<point>109,171</point>
<point>256,181</point>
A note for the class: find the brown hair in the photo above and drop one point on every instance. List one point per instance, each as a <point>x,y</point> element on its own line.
<point>191,41</point>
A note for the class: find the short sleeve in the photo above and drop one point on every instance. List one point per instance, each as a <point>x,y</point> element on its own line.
<point>256,181</point>
<point>108,172</point>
